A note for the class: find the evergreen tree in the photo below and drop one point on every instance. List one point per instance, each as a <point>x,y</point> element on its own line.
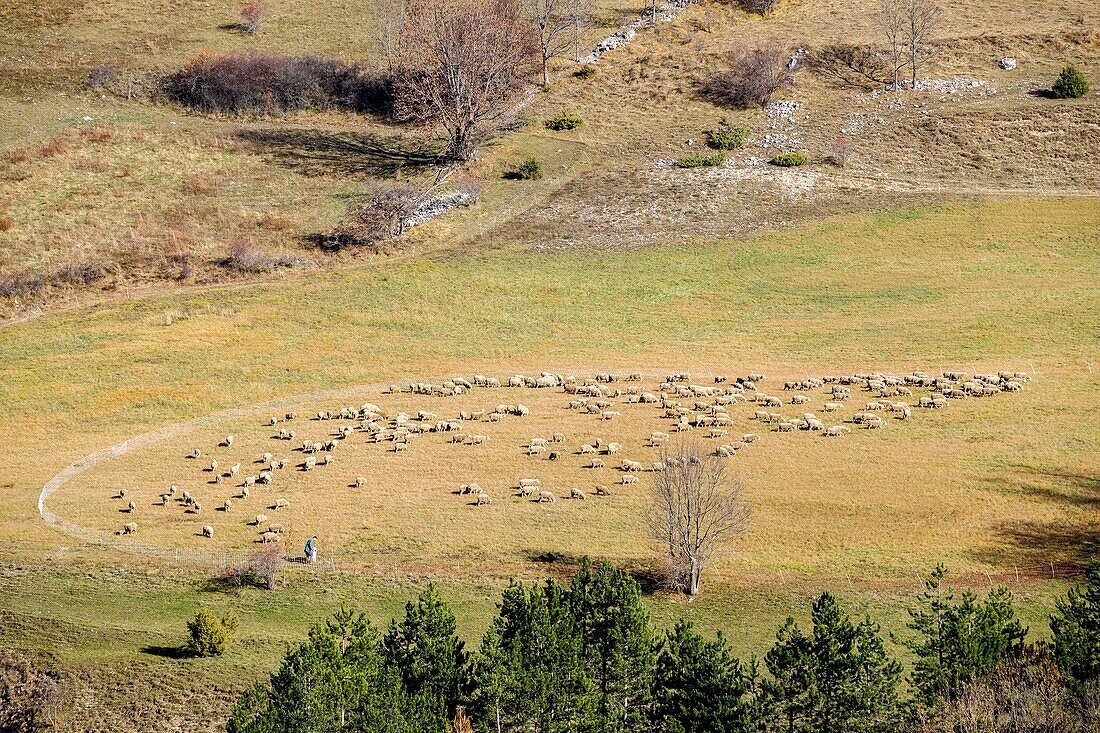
<point>699,687</point>
<point>616,643</point>
<point>530,673</point>
<point>957,641</point>
<point>336,681</point>
<point>1070,84</point>
<point>1075,624</point>
<point>840,679</point>
<point>426,652</point>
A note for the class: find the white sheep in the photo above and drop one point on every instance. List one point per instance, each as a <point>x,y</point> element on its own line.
<point>602,490</point>
<point>131,507</point>
<point>227,505</point>
<point>575,493</point>
<point>207,530</point>
<point>129,528</point>
<point>267,537</point>
<point>597,463</point>
<point>547,497</point>
<point>235,469</point>
<point>260,519</point>
<point>281,503</point>
<point>629,479</point>
<point>483,498</point>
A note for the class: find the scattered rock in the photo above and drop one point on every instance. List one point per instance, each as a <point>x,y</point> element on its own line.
<point>1007,63</point>
<point>437,205</point>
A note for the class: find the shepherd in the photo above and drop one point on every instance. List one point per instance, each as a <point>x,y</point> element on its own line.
<point>311,549</point>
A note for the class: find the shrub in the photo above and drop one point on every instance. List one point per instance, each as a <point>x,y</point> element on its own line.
<point>80,273</point>
<point>31,697</point>
<point>842,149</point>
<point>209,636</point>
<point>564,121</point>
<point>759,7</point>
<point>267,563</point>
<point>701,160</point>
<point>22,285</point>
<point>245,257</point>
<point>1071,84</point>
<point>529,170</point>
<point>753,76</point>
<point>272,83</point>
<point>378,217</point>
<point>587,71</point>
<point>790,160</point>
<point>6,222</point>
<point>252,14</point>
<point>726,136</point>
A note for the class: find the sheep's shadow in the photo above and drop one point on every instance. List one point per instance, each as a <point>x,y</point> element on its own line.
<point>313,152</point>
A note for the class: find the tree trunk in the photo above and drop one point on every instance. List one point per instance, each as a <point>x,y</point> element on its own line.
<point>545,70</point>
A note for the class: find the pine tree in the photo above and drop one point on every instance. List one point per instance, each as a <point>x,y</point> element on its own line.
<point>427,653</point>
<point>1075,624</point>
<point>1070,84</point>
<point>336,681</point>
<point>957,641</point>
<point>699,687</point>
<point>839,679</point>
<point>530,672</point>
<point>616,643</point>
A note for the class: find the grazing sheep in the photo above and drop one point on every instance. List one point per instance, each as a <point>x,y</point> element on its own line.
<point>207,530</point>
<point>547,497</point>
<point>750,438</point>
<point>470,489</point>
<point>268,537</point>
<point>196,453</point>
<point>165,498</point>
<point>575,493</point>
<point>602,490</point>
<point>832,406</point>
<point>227,505</point>
<point>397,447</point>
<point>196,507</point>
<point>276,528</point>
<point>536,450</point>
<point>235,469</point>
<point>658,466</point>
<point>628,465</point>
<point>360,482</point>
<point>799,399</point>
<point>629,479</point>
<point>772,402</point>
<point>553,455</point>
<point>228,442</point>
<point>214,465</point>
<point>557,438</point>
<point>130,507</point>
<point>281,503</point>
<point>249,480</point>
<point>129,528</point>
<point>836,430</point>
<point>597,463</point>
<point>529,482</point>
<point>483,498</point>
<point>244,493</point>
<point>588,449</point>
<point>121,494</point>
<point>260,519</point>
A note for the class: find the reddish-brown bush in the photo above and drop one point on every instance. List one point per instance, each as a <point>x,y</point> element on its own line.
<point>753,76</point>
<point>246,257</point>
<point>379,217</point>
<point>252,14</point>
<point>273,83</point>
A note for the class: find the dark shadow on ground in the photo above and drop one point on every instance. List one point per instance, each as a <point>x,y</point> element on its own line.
<point>1038,544</point>
<point>355,154</point>
<point>168,652</point>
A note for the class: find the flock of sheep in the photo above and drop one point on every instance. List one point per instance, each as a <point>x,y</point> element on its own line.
<point>713,409</point>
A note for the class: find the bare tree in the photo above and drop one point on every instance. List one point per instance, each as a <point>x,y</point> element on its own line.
<point>753,76</point>
<point>556,25</point>
<point>892,18</point>
<point>695,509</point>
<point>389,19</point>
<point>583,13</point>
<point>460,66</point>
<point>908,26</point>
<point>921,18</point>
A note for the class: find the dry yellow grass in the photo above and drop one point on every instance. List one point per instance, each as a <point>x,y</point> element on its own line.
<point>827,506</point>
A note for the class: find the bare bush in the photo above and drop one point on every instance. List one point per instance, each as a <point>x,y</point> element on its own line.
<point>76,274</point>
<point>272,83</point>
<point>252,14</point>
<point>758,7</point>
<point>841,151</point>
<point>22,285</point>
<point>753,76</point>
<point>379,217</point>
<point>267,563</point>
<point>557,26</point>
<point>245,257</point>
<point>31,698</point>
<point>852,64</point>
<point>461,64</point>
<point>695,509</point>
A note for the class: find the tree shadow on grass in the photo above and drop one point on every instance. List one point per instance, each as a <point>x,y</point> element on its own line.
<point>353,154</point>
<point>167,652</point>
<point>1075,542</point>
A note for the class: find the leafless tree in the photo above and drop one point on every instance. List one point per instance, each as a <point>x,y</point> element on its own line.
<point>556,26</point>
<point>389,19</point>
<point>892,18</point>
<point>753,76</point>
<point>695,509</point>
<point>461,64</point>
<point>908,26</point>
<point>267,563</point>
<point>921,19</point>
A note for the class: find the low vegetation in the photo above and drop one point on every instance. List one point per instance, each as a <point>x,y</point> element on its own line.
<point>208,635</point>
<point>564,120</point>
<point>702,160</point>
<point>726,136</point>
<point>1071,84</point>
<point>753,75</point>
<point>789,160</point>
<point>530,169</point>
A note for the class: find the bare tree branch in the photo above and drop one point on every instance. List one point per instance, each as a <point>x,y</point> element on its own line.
<point>695,509</point>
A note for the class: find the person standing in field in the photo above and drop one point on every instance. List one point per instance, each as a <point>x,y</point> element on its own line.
<point>311,549</point>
